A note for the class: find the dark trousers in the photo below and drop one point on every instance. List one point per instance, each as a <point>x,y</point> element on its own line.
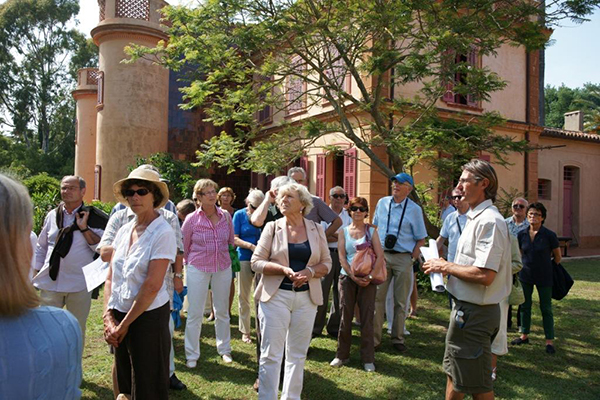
<point>333,323</point>
<point>142,358</point>
<point>350,295</point>
<point>545,293</point>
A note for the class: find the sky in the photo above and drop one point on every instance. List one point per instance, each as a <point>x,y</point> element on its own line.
<point>572,59</point>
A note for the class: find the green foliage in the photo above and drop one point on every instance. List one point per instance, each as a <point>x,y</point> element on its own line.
<point>39,56</point>
<point>106,207</point>
<point>181,175</point>
<point>42,184</point>
<point>505,198</point>
<point>43,202</point>
<point>558,101</point>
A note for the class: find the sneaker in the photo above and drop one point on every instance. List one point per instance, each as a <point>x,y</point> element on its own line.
<point>370,367</point>
<point>519,341</point>
<point>406,332</point>
<point>122,396</point>
<point>190,364</point>
<point>227,359</point>
<point>176,384</point>
<point>550,349</point>
<point>338,363</point>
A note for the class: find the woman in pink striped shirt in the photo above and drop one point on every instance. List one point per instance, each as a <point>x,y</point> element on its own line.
<point>207,234</point>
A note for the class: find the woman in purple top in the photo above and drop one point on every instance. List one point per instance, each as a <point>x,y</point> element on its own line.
<point>207,234</point>
<point>40,347</point>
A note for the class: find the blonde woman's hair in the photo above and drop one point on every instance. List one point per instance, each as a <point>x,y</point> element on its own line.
<point>16,219</point>
<point>225,189</point>
<point>203,184</point>
<point>303,194</point>
<point>255,197</point>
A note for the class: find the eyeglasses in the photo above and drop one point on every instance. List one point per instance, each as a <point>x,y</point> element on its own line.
<point>131,192</point>
<point>534,214</point>
<point>521,206</point>
<point>212,192</point>
<point>361,209</point>
<point>456,197</point>
<point>69,188</point>
<point>338,196</point>
<point>252,207</point>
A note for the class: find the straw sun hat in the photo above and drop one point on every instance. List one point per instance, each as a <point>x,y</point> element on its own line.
<point>142,174</point>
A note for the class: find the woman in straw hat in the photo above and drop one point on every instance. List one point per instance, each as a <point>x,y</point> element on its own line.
<point>49,336</point>
<point>136,316</point>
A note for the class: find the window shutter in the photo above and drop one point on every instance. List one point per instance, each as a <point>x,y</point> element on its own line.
<point>304,164</point>
<point>472,59</point>
<point>350,172</point>
<point>321,159</point>
<point>100,98</point>
<point>448,94</point>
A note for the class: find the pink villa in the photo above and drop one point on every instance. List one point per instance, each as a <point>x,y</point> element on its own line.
<point>125,110</point>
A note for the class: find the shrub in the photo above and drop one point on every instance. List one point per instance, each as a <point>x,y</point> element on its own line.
<point>42,183</point>
<point>43,202</point>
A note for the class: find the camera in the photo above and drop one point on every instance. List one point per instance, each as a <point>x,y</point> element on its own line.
<point>390,241</point>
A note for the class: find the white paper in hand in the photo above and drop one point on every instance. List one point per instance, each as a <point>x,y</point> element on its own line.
<point>437,279</point>
<point>95,273</point>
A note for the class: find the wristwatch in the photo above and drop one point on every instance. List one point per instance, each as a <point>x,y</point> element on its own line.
<point>178,275</point>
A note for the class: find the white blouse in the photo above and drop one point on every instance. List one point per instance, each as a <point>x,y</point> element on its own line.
<point>130,265</point>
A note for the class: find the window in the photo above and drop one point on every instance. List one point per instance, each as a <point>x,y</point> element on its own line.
<point>350,172</point>
<point>337,73</point>
<point>460,77</point>
<point>100,102</point>
<point>295,88</point>
<point>544,189</point>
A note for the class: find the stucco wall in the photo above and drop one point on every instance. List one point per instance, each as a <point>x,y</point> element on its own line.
<point>585,156</point>
<point>85,147</point>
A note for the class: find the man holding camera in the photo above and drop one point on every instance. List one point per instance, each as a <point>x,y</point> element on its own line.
<point>402,231</point>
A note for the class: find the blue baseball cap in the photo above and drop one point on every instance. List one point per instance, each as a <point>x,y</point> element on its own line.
<point>403,177</point>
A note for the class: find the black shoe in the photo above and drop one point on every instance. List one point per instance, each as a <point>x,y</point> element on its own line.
<point>176,384</point>
<point>519,341</point>
<point>550,349</point>
<point>400,347</point>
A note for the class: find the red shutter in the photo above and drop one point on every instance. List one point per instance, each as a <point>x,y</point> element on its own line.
<point>321,160</point>
<point>472,58</point>
<point>304,164</point>
<point>484,157</point>
<point>448,94</point>
<point>350,172</point>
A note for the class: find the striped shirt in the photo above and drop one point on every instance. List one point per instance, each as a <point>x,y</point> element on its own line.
<point>206,246</point>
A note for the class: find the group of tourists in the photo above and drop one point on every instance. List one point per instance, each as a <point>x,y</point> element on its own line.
<point>293,250</point>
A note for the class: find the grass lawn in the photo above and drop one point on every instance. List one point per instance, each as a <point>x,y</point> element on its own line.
<point>526,372</point>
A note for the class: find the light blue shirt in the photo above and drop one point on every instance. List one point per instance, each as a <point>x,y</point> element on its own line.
<point>514,228</point>
<point>447,211</point>
<point>351,244</point>
<point>450,230</point>
<point>413,226</point>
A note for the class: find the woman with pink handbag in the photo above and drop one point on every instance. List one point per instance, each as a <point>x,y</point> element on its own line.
<point>361,257</point>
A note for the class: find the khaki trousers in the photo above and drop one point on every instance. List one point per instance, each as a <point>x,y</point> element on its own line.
<point>77,303</point>
<point>399,266</point>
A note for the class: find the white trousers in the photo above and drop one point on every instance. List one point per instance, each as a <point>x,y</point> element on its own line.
<point>286,320</point>
<point>172,352</point>
<point>245,279</point>
<point>77,303</point>
<point>198,282</point>
<point>500,343</point>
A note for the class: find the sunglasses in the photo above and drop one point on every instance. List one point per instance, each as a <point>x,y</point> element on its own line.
<point>361,209</point>
<point>456,197</point>
<point>131,192</point>
<point>252,207</point>
<point>338,196</point>
<point>521,206</point>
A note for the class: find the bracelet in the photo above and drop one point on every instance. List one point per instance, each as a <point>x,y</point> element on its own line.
<point>312,271</point>
<point>178,275</point>
<point>84,230</point>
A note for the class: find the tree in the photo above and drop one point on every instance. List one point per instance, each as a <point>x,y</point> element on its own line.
<point>252,54</point>
<point>562,99</point>
<point>39,57</point>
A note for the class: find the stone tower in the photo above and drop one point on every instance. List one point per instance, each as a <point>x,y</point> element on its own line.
<point>132,98</point>
<point>86,95</point>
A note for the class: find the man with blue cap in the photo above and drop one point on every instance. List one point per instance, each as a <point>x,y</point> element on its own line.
<point>402,232</point>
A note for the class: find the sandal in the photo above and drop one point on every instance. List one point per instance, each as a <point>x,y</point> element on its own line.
<point>246,338</point>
